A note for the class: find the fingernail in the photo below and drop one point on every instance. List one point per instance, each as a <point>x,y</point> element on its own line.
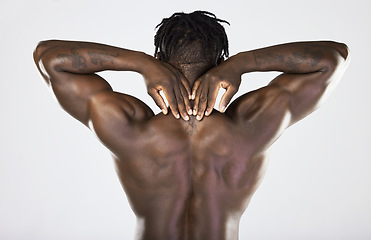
<point>186,118</point>
<point>190,97</point>
<point>194,112</point>
<point>190,112</point>
<point>164,111</point>
<point>177,116</point>
<point>198,117</point>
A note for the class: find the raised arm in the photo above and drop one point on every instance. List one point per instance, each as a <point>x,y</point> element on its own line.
<point>69,67</point>
<point>309,70</point>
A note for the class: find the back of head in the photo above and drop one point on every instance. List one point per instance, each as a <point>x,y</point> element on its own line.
<point>196,37</point>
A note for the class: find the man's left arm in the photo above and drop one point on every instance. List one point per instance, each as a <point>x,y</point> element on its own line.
<point>309,69</point>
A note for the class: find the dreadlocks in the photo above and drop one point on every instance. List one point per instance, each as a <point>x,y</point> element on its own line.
<point>191,38</point>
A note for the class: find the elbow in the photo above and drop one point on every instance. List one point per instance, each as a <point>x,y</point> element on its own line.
<point>338,57</point>
<point>343,50</point>
<point>40,49</point>
<point>343,56</point>
<point>39,53</point>
<point>42,59</point>
<point>43,48</point>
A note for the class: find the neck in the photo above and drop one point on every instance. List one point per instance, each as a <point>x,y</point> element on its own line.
<point>192,71</point>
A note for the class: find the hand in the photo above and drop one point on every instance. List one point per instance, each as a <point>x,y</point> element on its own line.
<point>164,77</point>
<point>206,88</point>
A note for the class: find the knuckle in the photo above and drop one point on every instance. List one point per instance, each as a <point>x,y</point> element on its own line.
<point>183,90</point>
<point>210,98</point>
<point>198,91</point>
<point>203,99</point>
<point>211,77</point>
<point>179,99</point>
<point>173,101</point>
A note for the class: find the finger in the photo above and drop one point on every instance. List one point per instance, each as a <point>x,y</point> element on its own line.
<point>180,98</point>
<point>187,87</point>
<point>202,104</point>
<point>173,104</point>
<point>196,84</point>
<point>160,102</point>
<point>187,103</point>
<point>226,98</point>
<point>211,99</point>
<point>196,98</point>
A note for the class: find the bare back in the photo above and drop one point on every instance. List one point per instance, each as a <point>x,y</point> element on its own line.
<point>193,179</point>
<point>190,180</point>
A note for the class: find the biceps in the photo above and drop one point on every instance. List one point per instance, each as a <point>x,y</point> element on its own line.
<point>73,92</point>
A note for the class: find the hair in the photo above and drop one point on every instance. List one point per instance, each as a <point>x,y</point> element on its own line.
<point>187,38</point>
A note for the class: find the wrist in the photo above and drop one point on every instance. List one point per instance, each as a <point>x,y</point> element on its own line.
<point>142,62</point>
<point>243,62</point>
<point>129,60</point>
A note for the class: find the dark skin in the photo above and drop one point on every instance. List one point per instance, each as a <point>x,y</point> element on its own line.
<point>190,175</point>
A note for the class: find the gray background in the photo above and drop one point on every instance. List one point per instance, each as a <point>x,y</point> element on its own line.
<point>58,182</point>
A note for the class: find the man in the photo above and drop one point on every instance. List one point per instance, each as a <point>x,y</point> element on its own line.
<point>190,174</point>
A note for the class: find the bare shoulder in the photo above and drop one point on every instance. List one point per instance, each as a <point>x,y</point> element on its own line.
<point>264,113</point>
<point>259,103</point>
<point>115,117</point>
<point>129,107</point>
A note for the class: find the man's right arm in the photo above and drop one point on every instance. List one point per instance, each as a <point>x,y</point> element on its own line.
<point>70,68</point>
<point>310,69</point>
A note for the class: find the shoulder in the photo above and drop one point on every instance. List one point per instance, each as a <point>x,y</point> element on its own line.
<point>115,117</point>
<point>113,104</point>
<point>265,101</point>
<point>262,114</point>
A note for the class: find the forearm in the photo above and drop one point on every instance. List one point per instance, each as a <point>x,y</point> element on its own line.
<point>299,57</point>
<point>86,57</point>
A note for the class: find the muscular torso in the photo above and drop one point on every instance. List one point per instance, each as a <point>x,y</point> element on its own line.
<point>190,180</point>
